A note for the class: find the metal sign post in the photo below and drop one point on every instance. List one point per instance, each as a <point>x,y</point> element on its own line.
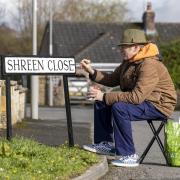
<point>8,109</point>
<point>68,111</point>
<point>39,66</point>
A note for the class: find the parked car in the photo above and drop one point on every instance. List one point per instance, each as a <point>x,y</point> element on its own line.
<point>78,88</point>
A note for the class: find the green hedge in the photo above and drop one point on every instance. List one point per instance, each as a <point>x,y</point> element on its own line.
<point>171,58</point>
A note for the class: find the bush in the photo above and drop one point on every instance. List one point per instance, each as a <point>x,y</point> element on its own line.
<point>171,58</point>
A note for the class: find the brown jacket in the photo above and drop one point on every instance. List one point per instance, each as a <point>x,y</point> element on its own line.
<point>144,80</point>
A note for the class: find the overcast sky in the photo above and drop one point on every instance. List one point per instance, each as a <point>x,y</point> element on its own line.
<point>166,10</point>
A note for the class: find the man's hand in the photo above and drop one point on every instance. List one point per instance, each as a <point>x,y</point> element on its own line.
<point>96,94</point>
<point>86,65</point>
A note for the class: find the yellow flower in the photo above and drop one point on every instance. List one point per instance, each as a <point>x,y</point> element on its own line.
<point>14,171</point>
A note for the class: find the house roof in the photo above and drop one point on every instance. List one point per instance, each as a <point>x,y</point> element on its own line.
<point>97,41</point>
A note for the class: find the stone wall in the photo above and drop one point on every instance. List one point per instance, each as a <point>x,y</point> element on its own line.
<point>18,98</point>
<point>2,105</point>
<point>58,96</point>
<point>42,90</point>
<point>58,92</point>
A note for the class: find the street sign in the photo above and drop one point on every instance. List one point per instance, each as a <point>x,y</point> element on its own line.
<point>39,65</point>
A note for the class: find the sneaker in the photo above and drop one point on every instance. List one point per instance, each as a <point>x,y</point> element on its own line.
<point>127,161</point>
<point>101,148</point>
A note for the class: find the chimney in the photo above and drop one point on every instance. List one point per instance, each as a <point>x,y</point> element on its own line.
<point>149,20</point>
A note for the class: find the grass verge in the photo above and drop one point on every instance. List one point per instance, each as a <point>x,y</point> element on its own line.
<point>27,159</point>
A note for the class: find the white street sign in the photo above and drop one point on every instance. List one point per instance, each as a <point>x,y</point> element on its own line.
<point>39,65</point>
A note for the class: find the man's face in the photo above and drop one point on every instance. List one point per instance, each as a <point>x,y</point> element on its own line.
<point>128,51</point>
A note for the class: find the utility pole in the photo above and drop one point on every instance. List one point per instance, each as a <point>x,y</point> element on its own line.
<point>50,90</point>
<point>34,79</point>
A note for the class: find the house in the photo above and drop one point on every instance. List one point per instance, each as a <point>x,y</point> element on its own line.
<point>97,41</point>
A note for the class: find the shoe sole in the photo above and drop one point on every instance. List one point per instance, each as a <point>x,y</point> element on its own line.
<point>125,165</point>
<point>98,152</point>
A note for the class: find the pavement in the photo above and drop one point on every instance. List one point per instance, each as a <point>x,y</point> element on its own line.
<point>51,129</point>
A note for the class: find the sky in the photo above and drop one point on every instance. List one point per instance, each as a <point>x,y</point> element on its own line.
<point>166,10</point>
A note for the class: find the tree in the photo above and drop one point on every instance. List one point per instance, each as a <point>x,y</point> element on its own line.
<point>70,10</point>
<point>92,11</point>
<point>64,10</point>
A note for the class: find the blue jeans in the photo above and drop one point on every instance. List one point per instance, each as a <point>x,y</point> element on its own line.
<point>113,123</point>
